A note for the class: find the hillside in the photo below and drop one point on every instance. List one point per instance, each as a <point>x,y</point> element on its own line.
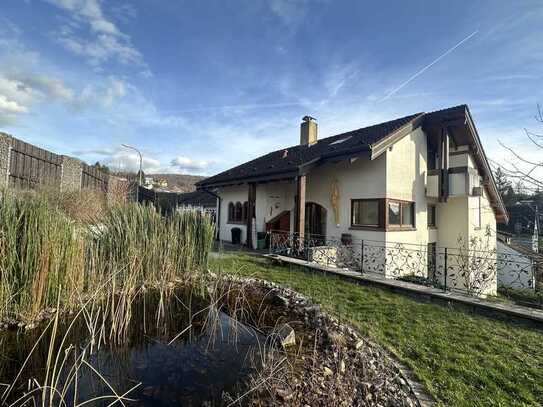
<point>176,182</point>
<point>179,182</point>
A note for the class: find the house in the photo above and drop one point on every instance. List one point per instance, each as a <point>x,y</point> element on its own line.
<point>520,265</point>
<point>148,182</point>
<point>420,180</point>
<point>161,183</point>
<point>168,202</point>
<point>198,199</point>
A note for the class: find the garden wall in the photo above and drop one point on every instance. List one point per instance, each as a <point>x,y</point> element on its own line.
<point>25,166</point>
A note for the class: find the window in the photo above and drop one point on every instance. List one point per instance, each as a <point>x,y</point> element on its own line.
<point>231,212</point>
<point>237,213</point>
<point>365,212</point>
<point>382,214</point>
<point>432,216</point>
<point>401,214</point>
<point>394,213</point>
<point>238,216</point>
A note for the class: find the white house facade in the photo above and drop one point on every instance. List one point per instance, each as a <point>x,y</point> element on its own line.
<point>417,184</point>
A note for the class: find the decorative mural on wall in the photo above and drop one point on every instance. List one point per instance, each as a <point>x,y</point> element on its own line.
<point>274,202</point>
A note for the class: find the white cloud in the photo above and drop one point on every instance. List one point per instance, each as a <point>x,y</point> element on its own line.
<point>9,110</point>
<point>106,42</point>
<point>121,158</point>
<point>20,91</point>
<point>104,95</point>
<point>186,164</point>
<point>45,87</point>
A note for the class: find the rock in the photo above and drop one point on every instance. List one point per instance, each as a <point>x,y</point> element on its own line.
<point>359,344</point>
<point>280,301</point>
<point>313,309</point>
<point>328,371</point>
<point>286,335</point>
<point>284,394</point>
<point>342,366</point>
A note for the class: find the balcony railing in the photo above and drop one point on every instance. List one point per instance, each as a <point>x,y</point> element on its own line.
<point>461,182</point>
<point>472,271</point>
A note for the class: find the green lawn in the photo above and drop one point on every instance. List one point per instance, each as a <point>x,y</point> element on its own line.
<point>461,358</point>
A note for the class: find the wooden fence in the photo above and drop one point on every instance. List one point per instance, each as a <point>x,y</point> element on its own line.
<point>93,178</point>
<point>30,166</point>
<point>25,166</point>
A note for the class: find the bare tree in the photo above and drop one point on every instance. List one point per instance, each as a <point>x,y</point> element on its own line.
<point>522,170</point>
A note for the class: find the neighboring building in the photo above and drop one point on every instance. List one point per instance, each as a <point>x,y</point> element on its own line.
<point>161,183</point>
<point>518,265</point>
<point>167,202</point>
<point>148,182</point>
<point>198,199</point>
<point>422,179</point>
<point>153,183</point>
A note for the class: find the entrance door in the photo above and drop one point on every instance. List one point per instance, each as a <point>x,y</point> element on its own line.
<point>315,221</point>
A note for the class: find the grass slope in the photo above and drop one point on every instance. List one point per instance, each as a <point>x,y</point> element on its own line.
<point>462,358</point>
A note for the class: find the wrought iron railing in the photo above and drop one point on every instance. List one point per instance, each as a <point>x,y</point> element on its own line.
<point>473,270</point>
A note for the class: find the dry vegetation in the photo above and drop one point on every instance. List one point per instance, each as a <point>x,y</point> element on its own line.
<point>61,247</point>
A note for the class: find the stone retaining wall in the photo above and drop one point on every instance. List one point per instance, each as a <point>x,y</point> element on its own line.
<point>5,148</point>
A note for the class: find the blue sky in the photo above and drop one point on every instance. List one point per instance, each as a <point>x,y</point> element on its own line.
<point>201,86</point>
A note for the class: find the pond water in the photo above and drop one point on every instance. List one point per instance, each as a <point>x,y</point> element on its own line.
<point>213,356</point>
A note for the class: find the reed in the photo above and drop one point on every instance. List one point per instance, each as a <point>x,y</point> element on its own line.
<point>46,253</point>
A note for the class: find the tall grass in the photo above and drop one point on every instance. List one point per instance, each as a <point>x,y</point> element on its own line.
<point>47,254</point>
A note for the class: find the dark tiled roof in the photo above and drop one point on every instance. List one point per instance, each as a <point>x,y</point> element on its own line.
<point>197,198</point>
<point>291,158</point>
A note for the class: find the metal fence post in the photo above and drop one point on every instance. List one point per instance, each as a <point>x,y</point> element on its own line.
<point>445,277</point>
<point>362,257</point>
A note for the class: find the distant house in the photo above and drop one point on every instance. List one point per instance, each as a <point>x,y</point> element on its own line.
<point>148,182</point>
<point>423,179</point>
<point>161,183</point>
<point>519,265</point>
<point>198,199</point>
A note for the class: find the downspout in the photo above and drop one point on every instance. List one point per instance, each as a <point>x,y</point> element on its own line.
<point>218,211</point>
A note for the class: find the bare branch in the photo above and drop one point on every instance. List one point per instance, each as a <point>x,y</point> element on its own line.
<point>540,164</point>
<point>539,116</point>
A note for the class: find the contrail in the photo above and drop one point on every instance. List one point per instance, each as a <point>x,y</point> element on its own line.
<point>435,61</point>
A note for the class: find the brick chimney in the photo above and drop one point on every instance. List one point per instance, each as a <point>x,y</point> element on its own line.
<point>308,131</point>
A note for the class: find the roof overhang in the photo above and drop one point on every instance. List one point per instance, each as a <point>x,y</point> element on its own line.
<point>302,169</point>
<point>459,124</point>
<point>275,176</point>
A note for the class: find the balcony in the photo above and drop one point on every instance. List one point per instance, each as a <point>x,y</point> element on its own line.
<point>462,181</point>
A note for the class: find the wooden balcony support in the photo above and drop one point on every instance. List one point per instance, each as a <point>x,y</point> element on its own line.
<point>299,216</point>
<point>251,205</point>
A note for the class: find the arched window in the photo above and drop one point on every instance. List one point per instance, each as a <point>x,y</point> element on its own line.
<point>231,212</point>
<point>245,211</point>
<point>238,216</point>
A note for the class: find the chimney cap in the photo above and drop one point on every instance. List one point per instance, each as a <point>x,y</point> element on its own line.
<point>308,119</point>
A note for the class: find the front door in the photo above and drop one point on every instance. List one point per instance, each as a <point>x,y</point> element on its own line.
<point>315,221</point>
